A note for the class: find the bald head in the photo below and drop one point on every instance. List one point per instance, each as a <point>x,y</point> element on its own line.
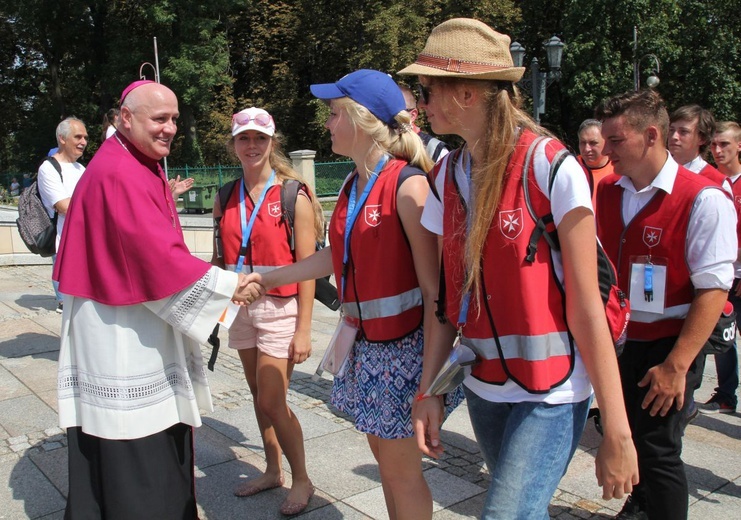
<point>149,119</point>
<point>148,94</point>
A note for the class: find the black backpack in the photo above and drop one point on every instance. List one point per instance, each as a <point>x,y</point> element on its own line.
<point>37,229</point>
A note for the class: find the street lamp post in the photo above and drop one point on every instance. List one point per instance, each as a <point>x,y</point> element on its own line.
<point>652,81</point>
<point>156,70</point>
<point>539,81</point>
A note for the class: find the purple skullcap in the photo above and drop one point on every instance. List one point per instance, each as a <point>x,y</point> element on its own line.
<point>132,86</point>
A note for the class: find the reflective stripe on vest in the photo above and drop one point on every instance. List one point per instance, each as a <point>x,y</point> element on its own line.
<point>384,307</point>
<point>529,348</point>
<point>678,312</point>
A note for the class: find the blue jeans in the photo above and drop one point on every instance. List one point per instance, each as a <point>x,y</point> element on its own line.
<point>54,283</point>
<point>726,364</point>
<point>527,448</point>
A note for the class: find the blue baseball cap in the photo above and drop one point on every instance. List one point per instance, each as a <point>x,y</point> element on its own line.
<point>375,90</point>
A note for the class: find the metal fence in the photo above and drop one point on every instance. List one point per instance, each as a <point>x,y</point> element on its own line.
<point>328,176</point>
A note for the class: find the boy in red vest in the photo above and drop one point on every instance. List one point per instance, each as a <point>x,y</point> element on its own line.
<point>671,235</point>
<point>690,129</point>
<point>726,149</point>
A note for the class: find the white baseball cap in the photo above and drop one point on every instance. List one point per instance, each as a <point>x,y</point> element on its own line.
<point>253,119</point>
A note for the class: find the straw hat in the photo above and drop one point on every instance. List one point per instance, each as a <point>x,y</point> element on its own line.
<point>466,48</point>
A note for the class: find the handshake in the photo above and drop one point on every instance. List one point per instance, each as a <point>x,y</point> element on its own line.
<point>249,288</point>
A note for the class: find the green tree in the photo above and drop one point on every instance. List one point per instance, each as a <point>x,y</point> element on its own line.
<point>696,42</point>
<point>219,56</point>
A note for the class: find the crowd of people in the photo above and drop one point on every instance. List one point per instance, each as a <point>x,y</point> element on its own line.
<point>493,246</point>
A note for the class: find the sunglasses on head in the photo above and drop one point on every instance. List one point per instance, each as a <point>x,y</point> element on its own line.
<point>263,120</point>
<point>424,93</point>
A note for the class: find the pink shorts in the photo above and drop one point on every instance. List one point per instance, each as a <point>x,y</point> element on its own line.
<point>268,324</point>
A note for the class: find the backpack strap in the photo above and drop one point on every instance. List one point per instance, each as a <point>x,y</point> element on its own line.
<point>441,290</point>
<point>288,195</point>
<point>58,167</point>
<point>224,193</point>
<point>542,222</point>
<point>451,159</point>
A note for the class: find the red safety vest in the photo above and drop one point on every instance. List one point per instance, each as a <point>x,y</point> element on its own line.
<point>736,186</point>
<point>531,344</point>
<point>268,248</point>
<point>381,287</point>
<point>659,229</point>
<point>714,175</point>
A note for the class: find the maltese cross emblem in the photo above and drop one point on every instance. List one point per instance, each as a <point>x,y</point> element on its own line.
<point>510,223</point>
<point>373,215</point>
<point>274,209</point>
<point>651,236</point>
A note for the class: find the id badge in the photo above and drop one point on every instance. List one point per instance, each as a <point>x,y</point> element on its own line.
<point>338,351</point>
<point>647,284</point>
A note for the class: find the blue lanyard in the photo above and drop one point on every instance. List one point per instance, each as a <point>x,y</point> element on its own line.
<point>353,210</point>
<point>247,226</point>
<point>466,298</point>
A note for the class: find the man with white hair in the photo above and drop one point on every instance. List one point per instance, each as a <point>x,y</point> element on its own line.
<point>138,305</point>
<point>57,186</point>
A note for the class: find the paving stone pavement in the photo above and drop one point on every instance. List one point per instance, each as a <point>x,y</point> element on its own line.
<point>228,446</point>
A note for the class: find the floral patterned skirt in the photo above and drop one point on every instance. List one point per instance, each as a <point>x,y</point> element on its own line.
<point>379,384</point>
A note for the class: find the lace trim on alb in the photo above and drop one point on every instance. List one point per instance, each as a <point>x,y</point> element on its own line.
<point>130,394</point>
<point>184,310</point>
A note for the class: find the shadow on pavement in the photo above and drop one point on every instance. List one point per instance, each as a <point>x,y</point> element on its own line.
<point>38,480</point>
<point>37,302</point>
<point>29,344</point>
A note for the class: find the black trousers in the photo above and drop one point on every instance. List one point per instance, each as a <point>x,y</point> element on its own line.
<point>662,492</point>
<point>151,477</point>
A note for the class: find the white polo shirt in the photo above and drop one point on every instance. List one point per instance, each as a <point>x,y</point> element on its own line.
<point>52,189</point>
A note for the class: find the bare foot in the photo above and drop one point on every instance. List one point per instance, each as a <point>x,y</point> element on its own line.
<point>258,485</point>
<point>298,498</point>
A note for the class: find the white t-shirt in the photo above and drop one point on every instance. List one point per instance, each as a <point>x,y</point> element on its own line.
<point>570,191</point>
<point>110,131</point>
<point>52,189</point>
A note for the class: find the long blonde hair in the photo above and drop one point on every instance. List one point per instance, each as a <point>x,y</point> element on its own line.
<point>403,143</point>
<point>284,171</point>
<point>505,122</point>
